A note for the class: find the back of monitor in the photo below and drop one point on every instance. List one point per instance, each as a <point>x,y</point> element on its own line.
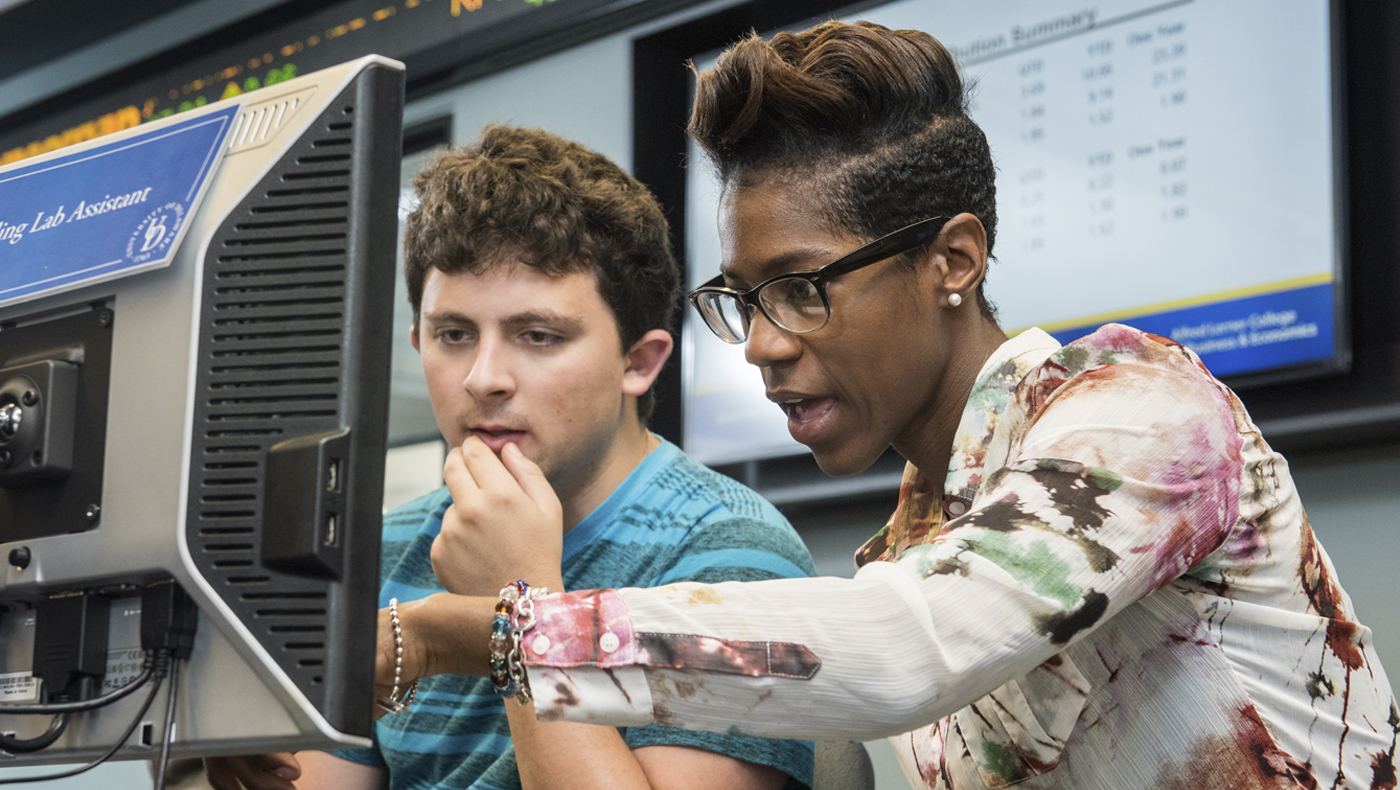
<point>231,412</point>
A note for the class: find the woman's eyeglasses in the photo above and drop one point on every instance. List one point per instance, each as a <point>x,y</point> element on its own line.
<point>797,302</point>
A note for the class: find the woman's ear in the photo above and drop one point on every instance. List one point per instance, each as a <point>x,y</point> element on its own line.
<point>645,359</point>
<point>963,244</point>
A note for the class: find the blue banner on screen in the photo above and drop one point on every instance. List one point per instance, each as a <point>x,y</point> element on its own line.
<point>106,212</point>
<point>1243,335</point>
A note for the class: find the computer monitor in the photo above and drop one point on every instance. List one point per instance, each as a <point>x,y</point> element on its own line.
<point>207,408</point>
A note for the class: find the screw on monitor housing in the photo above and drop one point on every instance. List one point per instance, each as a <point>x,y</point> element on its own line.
<point>11,416</point>
<point>30,398</point>
<point>93,511</point>
<point>104,317</point>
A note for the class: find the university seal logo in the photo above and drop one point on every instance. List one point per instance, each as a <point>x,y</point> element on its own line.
<point>155,233</point>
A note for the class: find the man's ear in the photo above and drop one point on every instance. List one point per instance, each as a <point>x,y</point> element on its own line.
<point>645,359</point>
<point>963,244</point>
<point>413,336</point>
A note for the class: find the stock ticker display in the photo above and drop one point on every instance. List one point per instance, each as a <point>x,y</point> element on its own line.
<point>342,32</point>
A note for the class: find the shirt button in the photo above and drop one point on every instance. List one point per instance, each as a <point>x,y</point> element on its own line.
<point>609,642</point>
<point>956,508</point>
<point>540,645</point>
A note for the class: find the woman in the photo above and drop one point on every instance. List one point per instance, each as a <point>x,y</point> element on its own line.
<point>1098,575</point>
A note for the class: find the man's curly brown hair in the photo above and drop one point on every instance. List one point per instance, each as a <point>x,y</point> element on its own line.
<point>520,195</point>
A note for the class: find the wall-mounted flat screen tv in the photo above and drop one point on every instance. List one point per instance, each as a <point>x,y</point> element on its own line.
<point>1173,166</point>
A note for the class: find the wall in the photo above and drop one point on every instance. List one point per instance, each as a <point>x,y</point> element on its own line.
<point>580,93</point>
<point>1353,500</point>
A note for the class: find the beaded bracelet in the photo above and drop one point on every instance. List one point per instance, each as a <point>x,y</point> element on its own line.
<point>515,614</point>
<point>394,704</point>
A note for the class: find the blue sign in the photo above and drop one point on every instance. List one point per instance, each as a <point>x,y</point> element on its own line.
<point>1248,334</point>
<point>105,212</point>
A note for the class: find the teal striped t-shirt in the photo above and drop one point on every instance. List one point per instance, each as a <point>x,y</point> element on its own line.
<point>671,520</point>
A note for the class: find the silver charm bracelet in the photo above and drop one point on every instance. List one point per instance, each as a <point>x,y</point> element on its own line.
<point>395,704</point>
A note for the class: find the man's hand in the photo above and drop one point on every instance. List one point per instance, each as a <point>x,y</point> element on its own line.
<point>414,661</point>
<point>255,771</point>
<point>505,523</point>
<point>277,772</point>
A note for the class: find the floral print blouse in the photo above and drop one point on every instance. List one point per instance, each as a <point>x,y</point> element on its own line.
<point>1114,586</point>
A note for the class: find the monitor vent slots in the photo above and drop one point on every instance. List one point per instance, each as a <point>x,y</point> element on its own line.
<point>272,324</point>
<point>259,122</point>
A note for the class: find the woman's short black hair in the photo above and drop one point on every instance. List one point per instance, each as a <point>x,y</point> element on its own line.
<point>871,121</point>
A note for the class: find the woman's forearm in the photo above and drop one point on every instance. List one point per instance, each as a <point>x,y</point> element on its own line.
<point>809,658</point>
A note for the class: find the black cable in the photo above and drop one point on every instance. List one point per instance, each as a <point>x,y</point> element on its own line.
<point>15,745</point>
<point>169,722</point>
<point>52,708</point>
<point>161,665</point>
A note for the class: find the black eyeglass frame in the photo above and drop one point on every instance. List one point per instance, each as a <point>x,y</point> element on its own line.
<point>907,238</point>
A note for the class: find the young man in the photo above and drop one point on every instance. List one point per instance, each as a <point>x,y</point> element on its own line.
<point>542,284</point>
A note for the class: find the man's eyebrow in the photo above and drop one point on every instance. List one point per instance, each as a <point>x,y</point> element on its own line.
<point>547,317</point>
<point>446,317</point>
<point>778,264</point>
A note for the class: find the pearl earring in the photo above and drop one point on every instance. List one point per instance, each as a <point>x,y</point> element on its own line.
<point>954,300</point>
